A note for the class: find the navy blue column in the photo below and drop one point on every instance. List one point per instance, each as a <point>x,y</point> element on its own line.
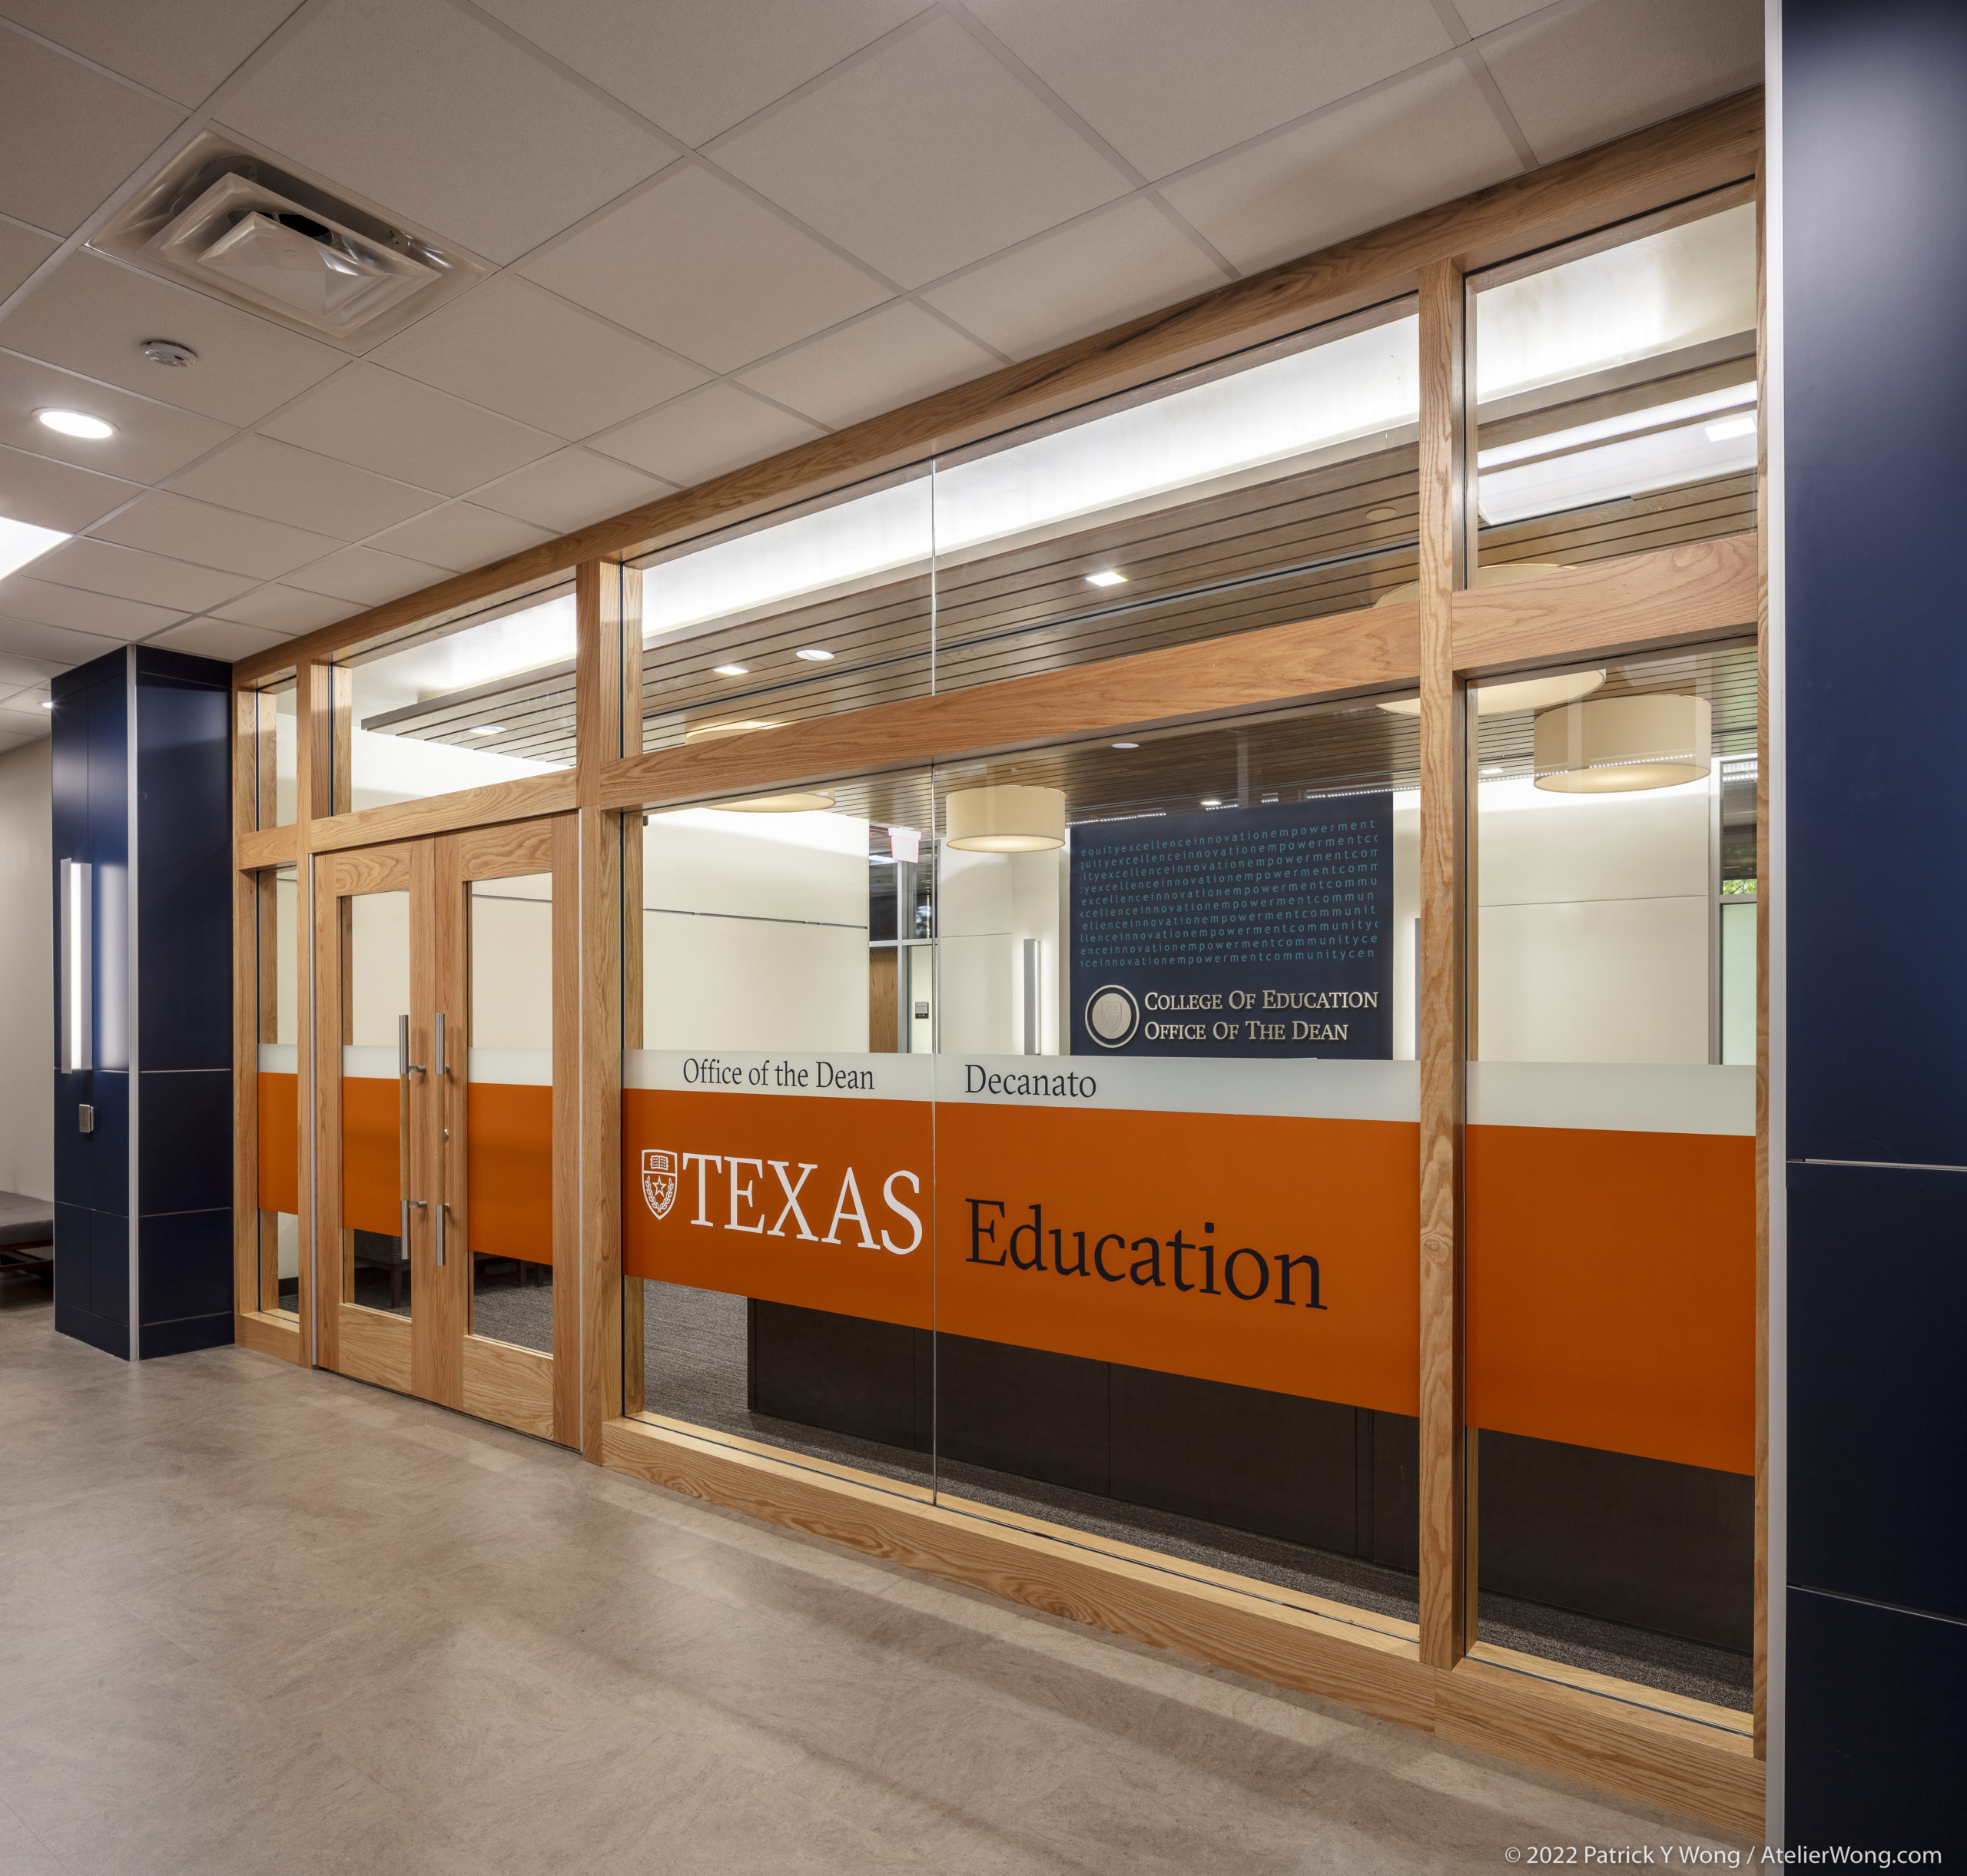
<point>143,1202</point>
<point>1874,322</point>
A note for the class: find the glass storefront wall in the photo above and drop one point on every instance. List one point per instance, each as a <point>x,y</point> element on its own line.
<point>1611,1169</point>
<point>1278,486</point>
<point>459,703</point>
<point>1039,1134</point>
<point>272,749</point>
<point>277,937</point>
<point>1616,393</point>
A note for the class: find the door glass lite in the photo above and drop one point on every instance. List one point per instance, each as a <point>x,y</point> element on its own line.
<point>277,1224</point>
<point>509,1069</point>
<point>376,1073</point>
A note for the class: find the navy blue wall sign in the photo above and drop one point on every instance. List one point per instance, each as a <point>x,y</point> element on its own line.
<point>1256,931</point>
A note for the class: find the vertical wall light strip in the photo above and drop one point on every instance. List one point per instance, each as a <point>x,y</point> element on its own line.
<point>131,901</point>
<point>78,950</point>
<point>1031,1011</point>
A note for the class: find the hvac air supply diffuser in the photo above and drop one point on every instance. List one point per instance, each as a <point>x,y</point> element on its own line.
<point>267,248</point>
<point>283,245</point>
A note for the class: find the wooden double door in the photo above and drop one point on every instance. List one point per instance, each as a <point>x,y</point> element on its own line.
<point>445,1064</point>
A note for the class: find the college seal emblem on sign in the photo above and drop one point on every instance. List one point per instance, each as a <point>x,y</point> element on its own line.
<point>1113,1014</point>
<point>659,1182</point>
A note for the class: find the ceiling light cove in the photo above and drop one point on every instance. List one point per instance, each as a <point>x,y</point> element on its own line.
<point>76,423</point>
<point>1108,579</point>
<point>814,655</point>
<point>21,541</point>
<point>1732,427</point>
<point>734,670</point>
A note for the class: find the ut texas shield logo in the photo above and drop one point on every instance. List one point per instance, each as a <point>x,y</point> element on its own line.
<point>659,1182</point>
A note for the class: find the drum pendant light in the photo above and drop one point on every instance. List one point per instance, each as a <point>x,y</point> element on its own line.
<point>1494,700</point>
<point>1009,818</point>
<point>1610,745</point>
<point>796,801</point>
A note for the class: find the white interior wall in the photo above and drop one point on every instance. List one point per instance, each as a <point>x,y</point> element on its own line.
<point>1594,924</point>
<point>512,962</point>
<point>754,931</point>
<point>987,905</point>
<point>379,967</point>
<point>27,964</point>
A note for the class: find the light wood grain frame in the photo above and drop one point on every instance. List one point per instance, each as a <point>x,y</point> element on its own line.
<point>257,1322</point>
<point>606,606</point>
<point>350,1339</point>
<point>521,1388</point>
<point>1447,1615</point>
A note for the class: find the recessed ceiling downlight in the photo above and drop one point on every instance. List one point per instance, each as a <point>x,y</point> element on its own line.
<point>76,423</point>
<point>814,655</point>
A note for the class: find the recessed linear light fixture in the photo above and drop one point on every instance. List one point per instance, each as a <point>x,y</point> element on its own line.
<point>487,729</point>
<point>21,541</point>
<point>735,671</point>
<point>1731,427</point>
<point>1126,745</point>
<point>814,655</point>
<point>76,423</point>
<point>1108,579</point>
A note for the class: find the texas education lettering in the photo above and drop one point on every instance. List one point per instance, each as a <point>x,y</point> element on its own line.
<point>1248,1281</point>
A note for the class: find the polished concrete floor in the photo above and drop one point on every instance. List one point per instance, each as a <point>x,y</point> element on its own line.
<point>256,1619</point>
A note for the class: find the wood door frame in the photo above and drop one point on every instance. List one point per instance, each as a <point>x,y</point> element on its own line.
<point>518,1387</point>
<point>435,1356</point>
<point>351,1340</point>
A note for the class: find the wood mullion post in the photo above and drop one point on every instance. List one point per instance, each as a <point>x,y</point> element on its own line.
<point>599,670</point>
<point>1447,1615</point>
<point>319,1287</point>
